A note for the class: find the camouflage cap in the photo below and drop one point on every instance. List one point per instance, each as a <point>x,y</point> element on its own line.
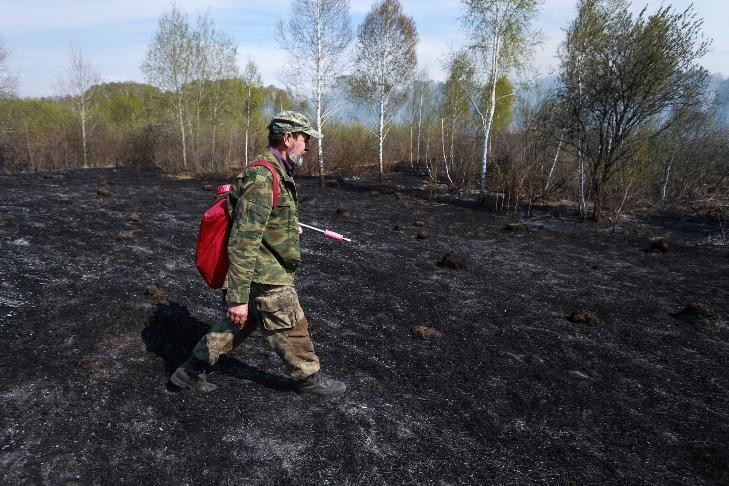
<point>292,121</point>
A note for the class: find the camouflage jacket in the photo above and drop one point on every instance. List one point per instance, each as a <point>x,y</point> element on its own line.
<point>263,246</point>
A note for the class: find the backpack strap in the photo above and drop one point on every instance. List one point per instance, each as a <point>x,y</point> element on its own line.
<point>267,165</point>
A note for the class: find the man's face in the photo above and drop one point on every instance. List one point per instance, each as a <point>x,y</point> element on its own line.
<point>297,144</point>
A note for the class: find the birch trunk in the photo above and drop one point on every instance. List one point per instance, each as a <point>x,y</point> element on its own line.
<point>487,123</point>
<point>319,88</point>
<point>411,145</point>
<point>442,143</point>
<point>248,122</point>
<point>82,112</point>
<point>381,134</point>
<point>431,171</point>
<point>581,162</point>
<point>445,159</point>
<point>665,182</point>
<point>453,131</point>
<point>420,120</point>
<point>554,162</point>
<point>581,173</point>
<point>492,109</point>
<point>214,137</point>
<point>182,131</point>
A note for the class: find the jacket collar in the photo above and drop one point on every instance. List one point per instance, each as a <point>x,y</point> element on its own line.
<point>287,169</point>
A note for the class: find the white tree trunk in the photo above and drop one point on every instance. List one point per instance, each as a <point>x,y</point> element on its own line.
<point>411,145</point>
<point>442,143</point>
<point>182,131</point>
<point>487,123</point>
<point>382,133</point>
<point>427,155</point>
<point>82,113</point>
<point>554,162</point>
<point>453,131</point>
<point>214,136</point>
<point>668,175</point>
<point>484,158</point>
<point>581,172</point>
<point>445,159</point>
<point>580,160</point>
<point>319,89</point>
<point>420,120</point>
<point>248,122</point>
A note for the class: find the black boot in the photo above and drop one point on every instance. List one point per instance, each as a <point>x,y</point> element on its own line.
<point>191,374</point>
<point>318,384</point>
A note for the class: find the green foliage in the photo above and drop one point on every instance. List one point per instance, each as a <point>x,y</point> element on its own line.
<point>41,135</point>
<point>504,112</point>
<point>460,77</point>
<point>127,105</point>
<point>621,76</point>
<point>39,115</point>
<point>502,27</point>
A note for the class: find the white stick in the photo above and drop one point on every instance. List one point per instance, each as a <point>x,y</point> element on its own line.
<point>327,233</point>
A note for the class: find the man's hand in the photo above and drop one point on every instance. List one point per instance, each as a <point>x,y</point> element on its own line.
<point>301,230</point>
<point>237,313</point>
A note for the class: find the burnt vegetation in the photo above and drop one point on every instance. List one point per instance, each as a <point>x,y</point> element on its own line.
<point>632,124</point>
<point>568,354</point>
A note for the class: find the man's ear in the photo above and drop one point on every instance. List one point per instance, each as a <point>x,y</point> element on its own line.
<point>288,139</point>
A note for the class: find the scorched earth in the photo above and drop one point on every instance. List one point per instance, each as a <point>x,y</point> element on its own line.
<point>556,354</point>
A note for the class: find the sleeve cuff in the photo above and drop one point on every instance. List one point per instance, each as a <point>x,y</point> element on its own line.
<point>239,295</point>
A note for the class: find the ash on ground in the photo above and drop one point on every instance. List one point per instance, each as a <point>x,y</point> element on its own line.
<point>511,393</point>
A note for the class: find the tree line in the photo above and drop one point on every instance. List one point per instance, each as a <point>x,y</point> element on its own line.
<point>630,121</point>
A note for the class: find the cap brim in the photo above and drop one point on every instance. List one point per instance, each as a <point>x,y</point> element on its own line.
<point>313,133</point>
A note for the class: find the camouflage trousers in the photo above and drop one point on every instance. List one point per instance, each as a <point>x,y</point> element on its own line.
<point>276,311</point>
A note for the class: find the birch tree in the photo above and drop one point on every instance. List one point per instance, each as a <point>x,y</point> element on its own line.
<point>455,104</point>
<point>213,61</point>
<point>316,37</point>
<point>168,64</point>
<point>221,55</point>
<point>423,100</point>
<point>252,96</point>
<point>500,41</point>
<point>81,78</point>
<point>385,62</point>
<point>201,47</point>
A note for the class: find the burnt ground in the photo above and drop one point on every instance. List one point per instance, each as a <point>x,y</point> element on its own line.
<point>557,355</point>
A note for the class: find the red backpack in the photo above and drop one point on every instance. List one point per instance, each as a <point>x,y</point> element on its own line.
<point>211,250</point>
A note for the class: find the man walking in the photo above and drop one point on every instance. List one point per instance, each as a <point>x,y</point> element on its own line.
<point>263,253</point>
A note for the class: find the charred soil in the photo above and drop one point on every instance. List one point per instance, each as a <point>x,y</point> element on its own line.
<point>501,385</point>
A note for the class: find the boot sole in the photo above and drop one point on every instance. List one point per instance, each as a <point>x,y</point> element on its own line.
<point>304,391</point>
<point>178,382</point>
<point>185,385</point>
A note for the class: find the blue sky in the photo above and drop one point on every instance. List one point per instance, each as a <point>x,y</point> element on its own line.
<point>114,35</point>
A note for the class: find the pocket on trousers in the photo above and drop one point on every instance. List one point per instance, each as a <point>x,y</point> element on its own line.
<point>278,309</point>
